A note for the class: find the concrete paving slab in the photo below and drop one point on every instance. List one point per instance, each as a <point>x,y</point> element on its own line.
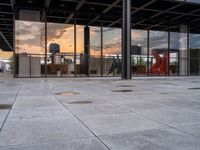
<point>3,114</point>
<point>140,105</point>
<point>89,110</point>
<point>157,139</point>
<point>119,123</point>
<point>76,144</point>
<point>39,119</point>
<point>35,130</point>
<point>172,116</point>
<point>38,112</point>
<point>193,130</point>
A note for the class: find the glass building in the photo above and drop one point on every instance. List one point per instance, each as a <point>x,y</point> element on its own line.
<point>95,38</point>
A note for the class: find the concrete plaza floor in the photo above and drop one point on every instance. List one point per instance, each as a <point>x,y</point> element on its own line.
<point>94,114</point>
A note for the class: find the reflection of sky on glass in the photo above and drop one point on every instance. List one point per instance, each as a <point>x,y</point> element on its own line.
<point>174,40</point>
<point>139,38</point>
<point>61,34</point>
<point>30,38</point>
<point>191,1</point>
<point>111,41</point>
<point>158,40</point>
<point>5,55</point>
<point>95,41</point>
<point>195,41</point>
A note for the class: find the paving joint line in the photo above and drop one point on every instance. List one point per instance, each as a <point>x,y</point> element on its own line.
<point>45,142</point>
<point>144,116</point>
<point>77,118</point>
<point>10,109</point>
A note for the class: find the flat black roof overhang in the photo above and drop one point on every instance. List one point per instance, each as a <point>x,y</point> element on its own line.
<point>146,14</point>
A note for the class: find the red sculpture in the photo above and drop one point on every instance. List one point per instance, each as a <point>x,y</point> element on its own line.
<point>160,67</point>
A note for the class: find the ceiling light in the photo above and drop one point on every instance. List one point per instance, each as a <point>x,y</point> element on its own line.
<point>30,1</point>
<point>62,5</point>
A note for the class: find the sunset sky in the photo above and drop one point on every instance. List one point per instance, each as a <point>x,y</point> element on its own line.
<point>5,55</point>
<point>30,38</point>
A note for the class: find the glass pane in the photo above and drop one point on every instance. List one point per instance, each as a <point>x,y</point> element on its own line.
<point>29,48</point>
<point>139,53</point>
<point>159,53</point>
<point>5,60</point>
<point>81,57</point>
<point>193,1</point>
<point>95,51</point>
<point>174,53</point>
<point>111,52</point>
<point>183,53</point>
<point>60,43</point>
<point>194,54</point>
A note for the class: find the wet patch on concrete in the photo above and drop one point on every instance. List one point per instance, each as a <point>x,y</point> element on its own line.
<point>10,84</point>
<point>164,93</point>
<point>81,102</point>
<point>5,106</point>
<point>194,88</point>
<point>125,86</point>
<point>66,93</point>
<point>122,91</point>
<point>194,81</point>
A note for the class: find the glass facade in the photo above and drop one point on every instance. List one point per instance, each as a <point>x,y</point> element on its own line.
<point>76,50</point>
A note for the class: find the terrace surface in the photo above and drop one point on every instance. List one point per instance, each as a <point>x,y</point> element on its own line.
<point>92,114</point>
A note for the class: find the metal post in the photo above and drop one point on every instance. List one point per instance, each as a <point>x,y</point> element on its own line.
<point>30,74</point>
<point>151,66</point>
<point>137,67</point>
<point>126,40</point>
<point>45,59</point>
<point>178,63</point>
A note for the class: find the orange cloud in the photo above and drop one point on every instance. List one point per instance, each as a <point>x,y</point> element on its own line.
<point>5,55</point>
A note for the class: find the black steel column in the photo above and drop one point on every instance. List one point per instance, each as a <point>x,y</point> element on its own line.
<point>75,48</point>
<point>188,50</point>
<point>178,62</point>
<point>45,59</point>
<point>14,56</point>
<point>101,49</point>
<point>86,49</point>
<point>148,49</point>
<point>126,40</point>
<point>169,50</point>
